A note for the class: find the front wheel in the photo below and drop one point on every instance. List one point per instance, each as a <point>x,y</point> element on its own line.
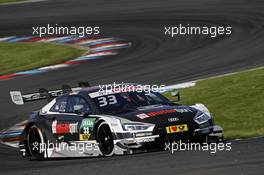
<point>105,139</point>
<point>35,143</point>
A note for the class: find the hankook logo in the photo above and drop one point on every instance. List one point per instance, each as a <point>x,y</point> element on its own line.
<point>175,119</point>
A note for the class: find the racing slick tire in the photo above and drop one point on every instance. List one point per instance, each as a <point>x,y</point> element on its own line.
<point>105,139</point>
<point>35,143</point>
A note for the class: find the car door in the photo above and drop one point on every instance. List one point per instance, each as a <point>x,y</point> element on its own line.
<point>79,106</point>
<point>67,117</point>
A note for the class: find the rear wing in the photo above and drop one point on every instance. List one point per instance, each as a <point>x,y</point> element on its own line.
<point>19,99</point>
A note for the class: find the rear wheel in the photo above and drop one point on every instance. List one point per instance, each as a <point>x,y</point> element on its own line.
<point>35,143</point>
<point>105,139</point>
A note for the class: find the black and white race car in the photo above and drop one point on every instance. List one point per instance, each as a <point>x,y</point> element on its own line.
<point>92,121</point>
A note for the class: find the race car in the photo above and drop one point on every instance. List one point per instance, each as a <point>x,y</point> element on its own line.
<point>102,121</point>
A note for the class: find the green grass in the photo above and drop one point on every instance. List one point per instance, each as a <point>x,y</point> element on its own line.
<point>236,102</point>
<point>5,1</point>
<point>15,57</point>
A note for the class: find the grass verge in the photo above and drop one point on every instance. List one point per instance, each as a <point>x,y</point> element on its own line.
<point>15,57</point>
<point>236,102</point>
<point>6,1</point>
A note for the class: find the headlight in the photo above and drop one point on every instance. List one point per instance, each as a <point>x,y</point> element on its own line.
<point>202,118</point>
<point>136,126</point>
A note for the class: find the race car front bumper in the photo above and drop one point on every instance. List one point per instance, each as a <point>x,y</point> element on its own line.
<point>136,142</point>
<point>212,132</point>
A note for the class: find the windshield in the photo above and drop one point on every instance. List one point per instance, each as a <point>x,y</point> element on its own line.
<point>127,101</point>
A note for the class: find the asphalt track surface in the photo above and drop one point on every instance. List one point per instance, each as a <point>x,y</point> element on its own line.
<point>154,58</point>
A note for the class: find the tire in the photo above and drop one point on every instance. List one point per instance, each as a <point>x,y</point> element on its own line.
<point>35,139</point>
<point>105,139</point>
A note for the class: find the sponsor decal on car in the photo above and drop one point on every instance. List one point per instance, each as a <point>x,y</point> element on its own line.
<point>85,137</point>
<point>150,139</point>
<point>64,128</point>
<point>175,119</point>
<point>162,112</point>
<point>156,113</point>
<point>142,116</point>
<point>182,110</point>
<point>176,128</point>
<point>86,129</point>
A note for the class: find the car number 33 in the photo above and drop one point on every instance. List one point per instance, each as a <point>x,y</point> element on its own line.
<point>104,101</point>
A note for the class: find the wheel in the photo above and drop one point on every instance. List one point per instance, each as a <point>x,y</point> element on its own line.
<point>35,143</point>
<point>105,139</point>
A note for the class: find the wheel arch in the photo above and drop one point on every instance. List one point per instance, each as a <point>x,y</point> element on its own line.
<point>97,124</point>
<point>23,137</point>
<point>25,131</point>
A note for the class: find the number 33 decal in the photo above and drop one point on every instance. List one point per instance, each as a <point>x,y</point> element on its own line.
<point>103,101</point>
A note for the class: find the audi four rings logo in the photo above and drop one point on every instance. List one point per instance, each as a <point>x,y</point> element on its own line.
<point>175,119</point>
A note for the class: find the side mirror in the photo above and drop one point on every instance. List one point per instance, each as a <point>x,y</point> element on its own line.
<point>176,94</point>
